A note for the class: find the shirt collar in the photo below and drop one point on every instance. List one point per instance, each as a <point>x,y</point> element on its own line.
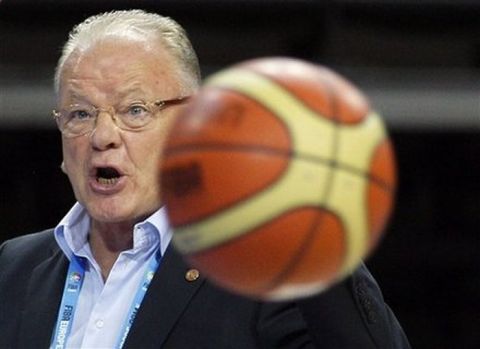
<point>71,233</point>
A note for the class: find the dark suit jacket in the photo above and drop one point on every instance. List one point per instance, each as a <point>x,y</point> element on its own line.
<point>181,314</point>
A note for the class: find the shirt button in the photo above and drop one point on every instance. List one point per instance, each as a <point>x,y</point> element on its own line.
<point>99,323</point>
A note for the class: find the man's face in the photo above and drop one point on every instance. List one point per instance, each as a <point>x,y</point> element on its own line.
<point>107,75</point>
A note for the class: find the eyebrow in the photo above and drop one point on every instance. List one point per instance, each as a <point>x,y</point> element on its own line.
<point>135,88</point>
<point>130,89</point>
<point>74,98</point>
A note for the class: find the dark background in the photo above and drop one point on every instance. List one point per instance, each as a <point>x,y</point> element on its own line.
<point>418,61</point>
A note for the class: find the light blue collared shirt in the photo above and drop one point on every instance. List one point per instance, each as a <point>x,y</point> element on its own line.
<point>103,306</point>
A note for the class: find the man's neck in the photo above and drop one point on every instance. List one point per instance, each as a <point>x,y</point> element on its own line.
<point>107,241</point>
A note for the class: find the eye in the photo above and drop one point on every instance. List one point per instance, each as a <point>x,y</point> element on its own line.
<point>79,115</point>
<point>137,110</point>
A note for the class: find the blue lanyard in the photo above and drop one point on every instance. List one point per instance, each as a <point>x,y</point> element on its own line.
<point>71,293</point>
<point>137,301</point>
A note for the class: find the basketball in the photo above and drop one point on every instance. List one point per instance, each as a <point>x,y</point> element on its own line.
<point>278,178</point>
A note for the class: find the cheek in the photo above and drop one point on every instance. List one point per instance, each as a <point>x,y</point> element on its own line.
<point>155,141</point>
<point>146,156</point>
<point>72,158</point>
<point>153,150</point>
<point>68,156</point>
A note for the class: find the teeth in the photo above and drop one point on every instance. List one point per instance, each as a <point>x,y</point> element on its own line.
<point>106,181</point>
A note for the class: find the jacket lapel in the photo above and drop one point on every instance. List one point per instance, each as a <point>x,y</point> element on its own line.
<point>42,299</point>
<point>166,298</point>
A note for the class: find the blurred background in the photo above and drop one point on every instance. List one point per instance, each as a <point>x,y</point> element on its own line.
<point>419,63</point>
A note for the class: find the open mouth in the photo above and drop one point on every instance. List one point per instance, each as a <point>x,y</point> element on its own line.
<point>107,175</point>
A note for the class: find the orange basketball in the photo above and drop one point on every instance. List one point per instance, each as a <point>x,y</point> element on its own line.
<point>278,178</point>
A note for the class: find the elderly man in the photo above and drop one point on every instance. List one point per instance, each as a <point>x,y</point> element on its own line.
<point>106,276</point>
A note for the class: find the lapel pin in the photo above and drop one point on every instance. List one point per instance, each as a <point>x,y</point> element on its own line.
<point>192,275</point>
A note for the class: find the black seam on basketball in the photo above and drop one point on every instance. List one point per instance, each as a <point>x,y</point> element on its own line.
<point>227,147</point>
<point>296,258</point>
<point>274,152</point>
<point>293,262</point>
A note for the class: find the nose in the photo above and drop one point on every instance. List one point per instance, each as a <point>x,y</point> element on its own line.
<point>106,134</point>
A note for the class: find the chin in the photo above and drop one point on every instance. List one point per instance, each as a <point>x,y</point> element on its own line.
<point>118,213</point>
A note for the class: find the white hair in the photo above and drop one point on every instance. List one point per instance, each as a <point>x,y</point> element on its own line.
<point>135,25</point>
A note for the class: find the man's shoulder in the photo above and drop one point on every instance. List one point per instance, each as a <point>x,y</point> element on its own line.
<point>29,247</point>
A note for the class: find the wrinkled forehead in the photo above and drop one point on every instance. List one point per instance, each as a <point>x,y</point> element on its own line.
<point>118,66</point>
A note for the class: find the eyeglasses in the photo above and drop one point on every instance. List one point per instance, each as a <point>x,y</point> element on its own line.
<point>77,119</point>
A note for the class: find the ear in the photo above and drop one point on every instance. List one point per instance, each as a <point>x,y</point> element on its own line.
<point>62,167</point>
